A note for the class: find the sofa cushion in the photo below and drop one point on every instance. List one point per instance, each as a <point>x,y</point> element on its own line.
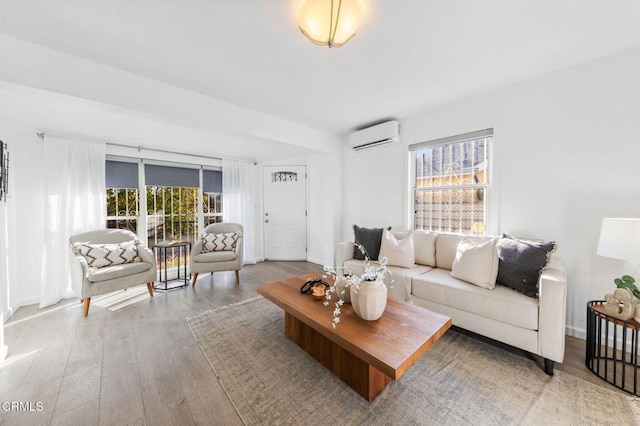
<point>215,256</point>
<point>425,247</point>
<point>476,263</point>
<point>401,277</point>
<point>113,272</point>
<point>502,303</point>
<point>370,239</point>
<point>103,255</point>
<point>446,247</point>
<point>521,263</point>
<point>219,242</point>
<point>398,252</point>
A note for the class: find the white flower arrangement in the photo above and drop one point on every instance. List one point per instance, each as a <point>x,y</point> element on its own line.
<point>341,276</point>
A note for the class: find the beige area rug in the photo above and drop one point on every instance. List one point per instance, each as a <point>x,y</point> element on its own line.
<point>460,381</point>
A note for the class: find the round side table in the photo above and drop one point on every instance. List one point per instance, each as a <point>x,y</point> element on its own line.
<point>612,348</point>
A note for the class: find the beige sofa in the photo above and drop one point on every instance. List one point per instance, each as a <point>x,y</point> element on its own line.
<point>535,325</point>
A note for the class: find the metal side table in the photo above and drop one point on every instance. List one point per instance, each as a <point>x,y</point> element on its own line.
<point>160,251</point>
<point>612,348</point>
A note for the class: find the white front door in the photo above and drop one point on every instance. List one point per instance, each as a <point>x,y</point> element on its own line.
<point>285,214</point>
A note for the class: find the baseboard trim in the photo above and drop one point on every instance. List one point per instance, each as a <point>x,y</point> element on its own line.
<point>316,261</point>
<point>18,304</point>
<point>578,332</point>
<point>6,315</point>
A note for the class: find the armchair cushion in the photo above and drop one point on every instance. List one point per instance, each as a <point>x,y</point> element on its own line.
<point>215,256</point>
<point>102,255</point>
<point>118,271</point>
<point>219,242</point>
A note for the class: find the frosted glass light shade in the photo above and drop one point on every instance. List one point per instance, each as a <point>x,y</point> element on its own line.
<point>620,239</point>
<point>329,23</point>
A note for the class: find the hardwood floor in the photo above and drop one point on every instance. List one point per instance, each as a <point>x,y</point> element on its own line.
<point>133,360</point>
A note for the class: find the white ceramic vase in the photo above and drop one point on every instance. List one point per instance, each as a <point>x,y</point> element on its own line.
<point>369,300</point>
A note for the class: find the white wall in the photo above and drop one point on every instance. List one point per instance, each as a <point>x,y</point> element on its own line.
<point>566,148</point>
<point>325,206</point>
<point>374,187</point>
<point>24,215</point>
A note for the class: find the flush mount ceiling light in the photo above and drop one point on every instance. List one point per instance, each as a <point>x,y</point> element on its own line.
<point>329,23</point>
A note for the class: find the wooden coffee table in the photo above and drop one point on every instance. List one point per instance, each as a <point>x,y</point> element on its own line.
<point>366,355</point>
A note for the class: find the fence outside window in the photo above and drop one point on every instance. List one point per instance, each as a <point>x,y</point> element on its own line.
<point>451,183</point>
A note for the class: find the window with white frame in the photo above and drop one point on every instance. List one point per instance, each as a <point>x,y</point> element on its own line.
<point>172,204</point>
<point>451,183</point>
<point>212,196</point>
<point>123,195</point>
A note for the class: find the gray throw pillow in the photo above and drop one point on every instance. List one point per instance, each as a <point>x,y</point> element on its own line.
<point>370,238</point>
<point>521,263</point>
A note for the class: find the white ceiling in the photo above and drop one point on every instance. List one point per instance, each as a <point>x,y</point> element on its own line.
<point>409,55</point>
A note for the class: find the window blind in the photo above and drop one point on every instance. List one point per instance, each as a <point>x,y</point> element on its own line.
<point>121,174</point>
<point>212,181</point>
<point>171,176</point>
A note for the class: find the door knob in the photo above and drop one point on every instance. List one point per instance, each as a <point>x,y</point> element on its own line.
<point>266,221</point>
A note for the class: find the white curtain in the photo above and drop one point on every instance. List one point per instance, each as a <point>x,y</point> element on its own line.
<point>74,202</point>
<point>239,189</point>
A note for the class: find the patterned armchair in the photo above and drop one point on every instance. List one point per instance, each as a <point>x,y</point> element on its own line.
<point>106,260</point>
<point>219,249</point>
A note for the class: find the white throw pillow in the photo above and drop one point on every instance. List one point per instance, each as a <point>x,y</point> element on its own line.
<point>476,264</point>
<point>398,252</point>
<point>219,242</point>
<point>101,255</point>
<point>425,245</point>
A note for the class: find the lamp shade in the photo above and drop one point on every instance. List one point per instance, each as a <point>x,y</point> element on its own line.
<point>329,23</point>
<point>620,239</point>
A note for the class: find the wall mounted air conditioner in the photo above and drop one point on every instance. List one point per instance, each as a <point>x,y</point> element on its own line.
<point>380,134</point>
